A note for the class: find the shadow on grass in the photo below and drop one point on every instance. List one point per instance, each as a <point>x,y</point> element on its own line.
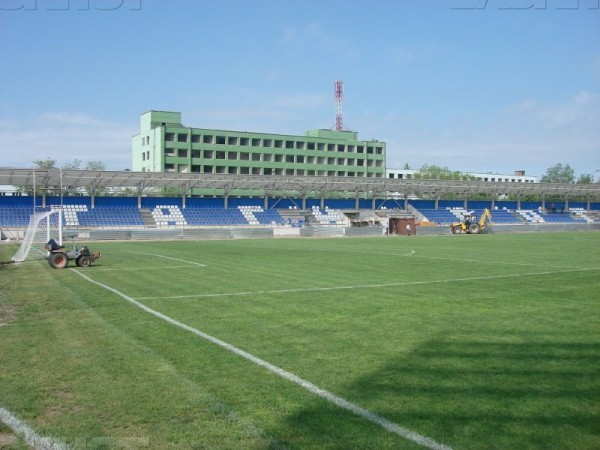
<point>485,395</point>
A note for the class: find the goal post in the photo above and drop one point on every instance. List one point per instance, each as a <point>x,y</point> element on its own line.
<point>43,226</point>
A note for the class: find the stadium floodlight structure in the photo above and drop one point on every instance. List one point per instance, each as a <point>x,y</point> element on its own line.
<point>43,226</point>
<point>339,99</point>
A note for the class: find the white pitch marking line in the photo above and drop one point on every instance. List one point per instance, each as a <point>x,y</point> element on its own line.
<point>23,430</point>
<point>168,257</point>
<point>487,262</point>
<point>365,286</point>
<point>338,401</point>
<point>125,269</point>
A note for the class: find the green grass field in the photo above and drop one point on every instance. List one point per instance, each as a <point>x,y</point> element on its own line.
<point>469,342</point>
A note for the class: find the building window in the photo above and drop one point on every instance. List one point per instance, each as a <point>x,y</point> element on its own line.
<point>169,137</point>
<point>255,142</point>
<point>220,140</point>
<point>207,139</point>
<point>196,138</point>
<point>244,141</point>
<point>182,137</point>
<point>181,153</point>
<point>289,144</point>
<point>255,156</point>
<point>232,140</point>
<point>208,154</point>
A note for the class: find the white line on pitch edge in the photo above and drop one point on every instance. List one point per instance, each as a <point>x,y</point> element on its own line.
<point>366,286</point>
<point>23,430</point>
<point>168,257</point>
<point>338,401</point>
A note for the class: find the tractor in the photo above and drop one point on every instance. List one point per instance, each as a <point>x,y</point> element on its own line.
<point>470,224</point>
<point>58,256</point>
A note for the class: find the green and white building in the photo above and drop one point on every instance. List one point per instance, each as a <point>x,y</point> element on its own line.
<point>164,144</point>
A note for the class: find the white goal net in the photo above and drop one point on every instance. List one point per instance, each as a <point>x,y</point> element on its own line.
<point>43,226</point>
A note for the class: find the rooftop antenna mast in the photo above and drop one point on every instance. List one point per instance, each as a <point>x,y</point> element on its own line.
<point>339,98</point>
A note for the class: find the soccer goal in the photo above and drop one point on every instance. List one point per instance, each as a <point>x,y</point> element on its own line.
<point>43,226</point>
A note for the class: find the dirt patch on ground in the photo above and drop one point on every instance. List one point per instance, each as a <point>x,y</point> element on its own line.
<point>7,314</point>
<point>7,440</point>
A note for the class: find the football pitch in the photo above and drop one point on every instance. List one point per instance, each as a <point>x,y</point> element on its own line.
<point>463,342</point>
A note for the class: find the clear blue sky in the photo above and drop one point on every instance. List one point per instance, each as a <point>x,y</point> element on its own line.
<point>472,85</point>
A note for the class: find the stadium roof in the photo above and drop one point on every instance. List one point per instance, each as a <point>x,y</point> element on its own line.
<point>92,181</point>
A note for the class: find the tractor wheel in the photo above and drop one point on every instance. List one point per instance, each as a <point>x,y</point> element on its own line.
<point>58,260</point>
<point>456,230</point>
<point>83,261</point>
<point>474,228</point>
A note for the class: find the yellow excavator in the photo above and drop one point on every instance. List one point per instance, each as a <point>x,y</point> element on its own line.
<point>471,225</point>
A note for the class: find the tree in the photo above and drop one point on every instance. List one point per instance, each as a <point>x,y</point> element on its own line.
<point>95,165</point>
<point>432,171</point>
<point>44,163</point>
<point>585,178</point>
<point>49,163</point>
<point>559,174</point>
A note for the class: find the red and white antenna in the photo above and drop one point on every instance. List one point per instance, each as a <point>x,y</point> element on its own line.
<point>339,99</point>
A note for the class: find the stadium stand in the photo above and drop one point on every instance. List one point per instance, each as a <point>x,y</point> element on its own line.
<point>329,216</point>
<point>161,212</point>
<point>15,217</point>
